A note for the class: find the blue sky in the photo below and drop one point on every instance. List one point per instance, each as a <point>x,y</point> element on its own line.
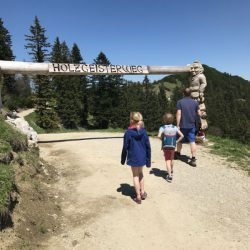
<point>159,32</point>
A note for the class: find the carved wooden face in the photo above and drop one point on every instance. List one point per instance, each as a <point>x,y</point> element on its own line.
<point>196,68</point>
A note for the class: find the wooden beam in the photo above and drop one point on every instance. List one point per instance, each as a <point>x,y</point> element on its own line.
<point>29,68</point>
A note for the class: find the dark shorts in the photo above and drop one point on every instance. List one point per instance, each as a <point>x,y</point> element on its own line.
<point>189,134</point>
<point>169,154</point>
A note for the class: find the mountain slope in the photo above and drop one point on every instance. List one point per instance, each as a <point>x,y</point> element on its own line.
<point>227,99</point>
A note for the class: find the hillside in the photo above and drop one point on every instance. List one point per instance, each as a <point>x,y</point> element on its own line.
<point>26,201</point>
<point>227,99</point>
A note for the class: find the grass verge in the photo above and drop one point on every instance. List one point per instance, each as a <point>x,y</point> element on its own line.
<point>8,135</point>
<point>233,150</point>
<point>31,119</point>
<point>27,178</point>
<point>6,185</point>
<point>10,140</point>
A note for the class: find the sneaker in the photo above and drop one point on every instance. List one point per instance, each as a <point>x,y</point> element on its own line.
<point>169,178</point>
<point>172,173</point>
<point>193,163</point>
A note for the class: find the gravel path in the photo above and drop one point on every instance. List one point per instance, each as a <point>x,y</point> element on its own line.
<point>207,207</point>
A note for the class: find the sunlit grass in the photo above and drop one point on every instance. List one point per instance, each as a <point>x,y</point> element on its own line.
<point>6,184</point>
<point>31,119</point>
<point>233,150</point>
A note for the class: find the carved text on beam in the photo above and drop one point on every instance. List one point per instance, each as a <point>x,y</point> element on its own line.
<point>97,68</point>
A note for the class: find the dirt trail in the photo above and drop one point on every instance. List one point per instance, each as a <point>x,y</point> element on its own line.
<point>26,112</point>
<point>207,207</point>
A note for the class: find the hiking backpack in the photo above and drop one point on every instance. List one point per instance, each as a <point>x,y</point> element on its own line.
<point>169,136</point>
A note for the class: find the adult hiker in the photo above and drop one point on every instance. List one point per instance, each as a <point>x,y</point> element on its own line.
<point>187,115</point>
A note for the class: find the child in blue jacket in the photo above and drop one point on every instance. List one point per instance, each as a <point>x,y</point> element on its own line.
<point>136,149</point>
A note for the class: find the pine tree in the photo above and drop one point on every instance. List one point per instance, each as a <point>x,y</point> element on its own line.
<point>5,44</point>
<point>45,101</point>
<point>104,100</point>
<point>102,104</point>
<point>150,106</point>
<point>80,83</point>
<point>69,89</point>
<point>55,55</point>
<point>22,96</point>
<point>7,82</point>
<point>122,116</point>
<point>46,104</point>
<point>123,109</point>
<point>58,82</point>
<point>116,83</point>
<point>37,42</point>
<point>133,98</point>
<point>69,103</point>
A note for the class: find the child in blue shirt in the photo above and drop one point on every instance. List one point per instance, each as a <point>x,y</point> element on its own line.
<point>136,149</point>
<point>167,134</point>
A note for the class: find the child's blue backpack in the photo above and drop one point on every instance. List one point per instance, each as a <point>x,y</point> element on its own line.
<point>169,136</point>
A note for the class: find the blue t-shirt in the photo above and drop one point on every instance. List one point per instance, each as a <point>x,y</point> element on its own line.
<point>189,109</point>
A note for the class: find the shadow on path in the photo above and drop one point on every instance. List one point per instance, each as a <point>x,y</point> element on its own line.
<point>158,172</point>
<point>184,158</point>
<point>126,190</point>
<point>80,139</point>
